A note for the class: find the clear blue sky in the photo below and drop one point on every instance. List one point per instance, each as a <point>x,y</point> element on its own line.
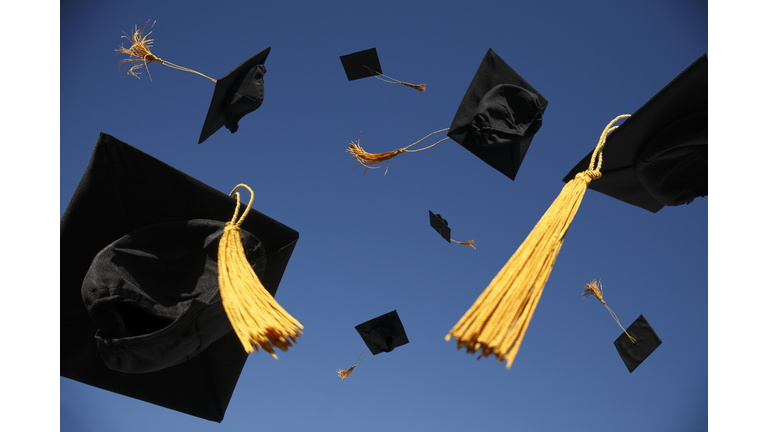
<point>365,244</point>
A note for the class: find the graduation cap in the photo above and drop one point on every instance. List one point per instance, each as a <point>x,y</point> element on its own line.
<point>135,208</point>
<point>658,157</point>
<point>363,64</point>
<point>636,349</point>
<point>498,116</point>
<point>638,340</point>
<point>381,334</point>
<point>441,226</point>
<point>238,93</point>
<point>496,120</point>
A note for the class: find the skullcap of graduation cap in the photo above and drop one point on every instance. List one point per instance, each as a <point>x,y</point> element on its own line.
<point>646,342</point>
<point>440,225</point>
<point>498,116</point>
<point>383,333</point>
<point>154,293</point>
<point>658,156</point>
<point>238,93</point>
<point>123,190</point>
<point>355,64</point>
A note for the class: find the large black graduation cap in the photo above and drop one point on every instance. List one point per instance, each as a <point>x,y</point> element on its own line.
<point>646,341</point>
<point>122,191</point>
<point>499,115</point>
<point>238,93</point>
<point>383,333</point>
<point>658,156</point>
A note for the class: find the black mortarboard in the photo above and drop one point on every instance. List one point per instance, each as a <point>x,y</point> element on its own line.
<point>383,333</point>
<point>355,64</point>
<point>440,225</point>
<point>646,341</point>
<point>238,93</point>
<point>122,194</point>
<point>499,115</point>
<point>658,156</point>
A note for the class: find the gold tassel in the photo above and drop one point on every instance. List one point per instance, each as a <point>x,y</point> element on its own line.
<point>257,318</point>
<point>343,374</point>
<point>497,321</point>
<point>420,87</point>
<point>140,48</point>
<point>596,288</point>
<point>369,159</point>
<point>470,243</point>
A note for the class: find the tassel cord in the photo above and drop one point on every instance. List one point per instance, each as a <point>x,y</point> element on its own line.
<point>420,87</point>
<point>596,288</point>
<point>343,374</point>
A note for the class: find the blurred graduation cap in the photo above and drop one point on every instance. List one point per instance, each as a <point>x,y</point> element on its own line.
<point>658,157</point>
<point>130,208</point>
<point>363,64</point>
<point>381,334</point>
<point>496,120</point>
<point>441,226</point>
<point>238,93</point>
<point>637,341</point>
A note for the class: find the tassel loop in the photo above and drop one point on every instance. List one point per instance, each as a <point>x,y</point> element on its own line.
<point>343,374</point>
<point>420,87</point>
<point>368,160</point>
<point>258,320</point>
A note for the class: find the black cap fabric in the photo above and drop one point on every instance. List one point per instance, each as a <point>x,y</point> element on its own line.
<point>440,225</point>
<point>658,156</point>
<point>238,93</point>
<point>646,341</point>
<point>499,116</point>
<point>354,64</point>
<point>154,294</point>
<point>124,190</point>
<point>383,333</point>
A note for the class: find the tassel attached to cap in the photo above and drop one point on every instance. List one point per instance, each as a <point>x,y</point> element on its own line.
<point>368,160</point>
<point>343,374</point>
<point>140,48</point>
<point>420,87</point>
<point>470,243</point>
<point>258,320</point>
<point>596,289</point>
<point>497,321</point>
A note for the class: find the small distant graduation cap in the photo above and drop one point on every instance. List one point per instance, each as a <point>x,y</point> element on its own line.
<point>441,226</point>
<point>498,116</point>
<point>637,341</point>
<point>496,120</point>
<point>658,156</point>
<point>238,93</point>
<point>139,297</point>
<point>364,64</point>
<point>646,341</point>
<point>381,334</point>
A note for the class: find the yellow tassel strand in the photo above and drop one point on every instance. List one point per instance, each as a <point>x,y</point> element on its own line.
<point>497,321</point>
<point>470,243</point>
<point>140,48</point>
<point>368,160</point>
<point>257,318</point>
<point>596,288</point>
<point>420,87</point>
<point>343,374</point>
